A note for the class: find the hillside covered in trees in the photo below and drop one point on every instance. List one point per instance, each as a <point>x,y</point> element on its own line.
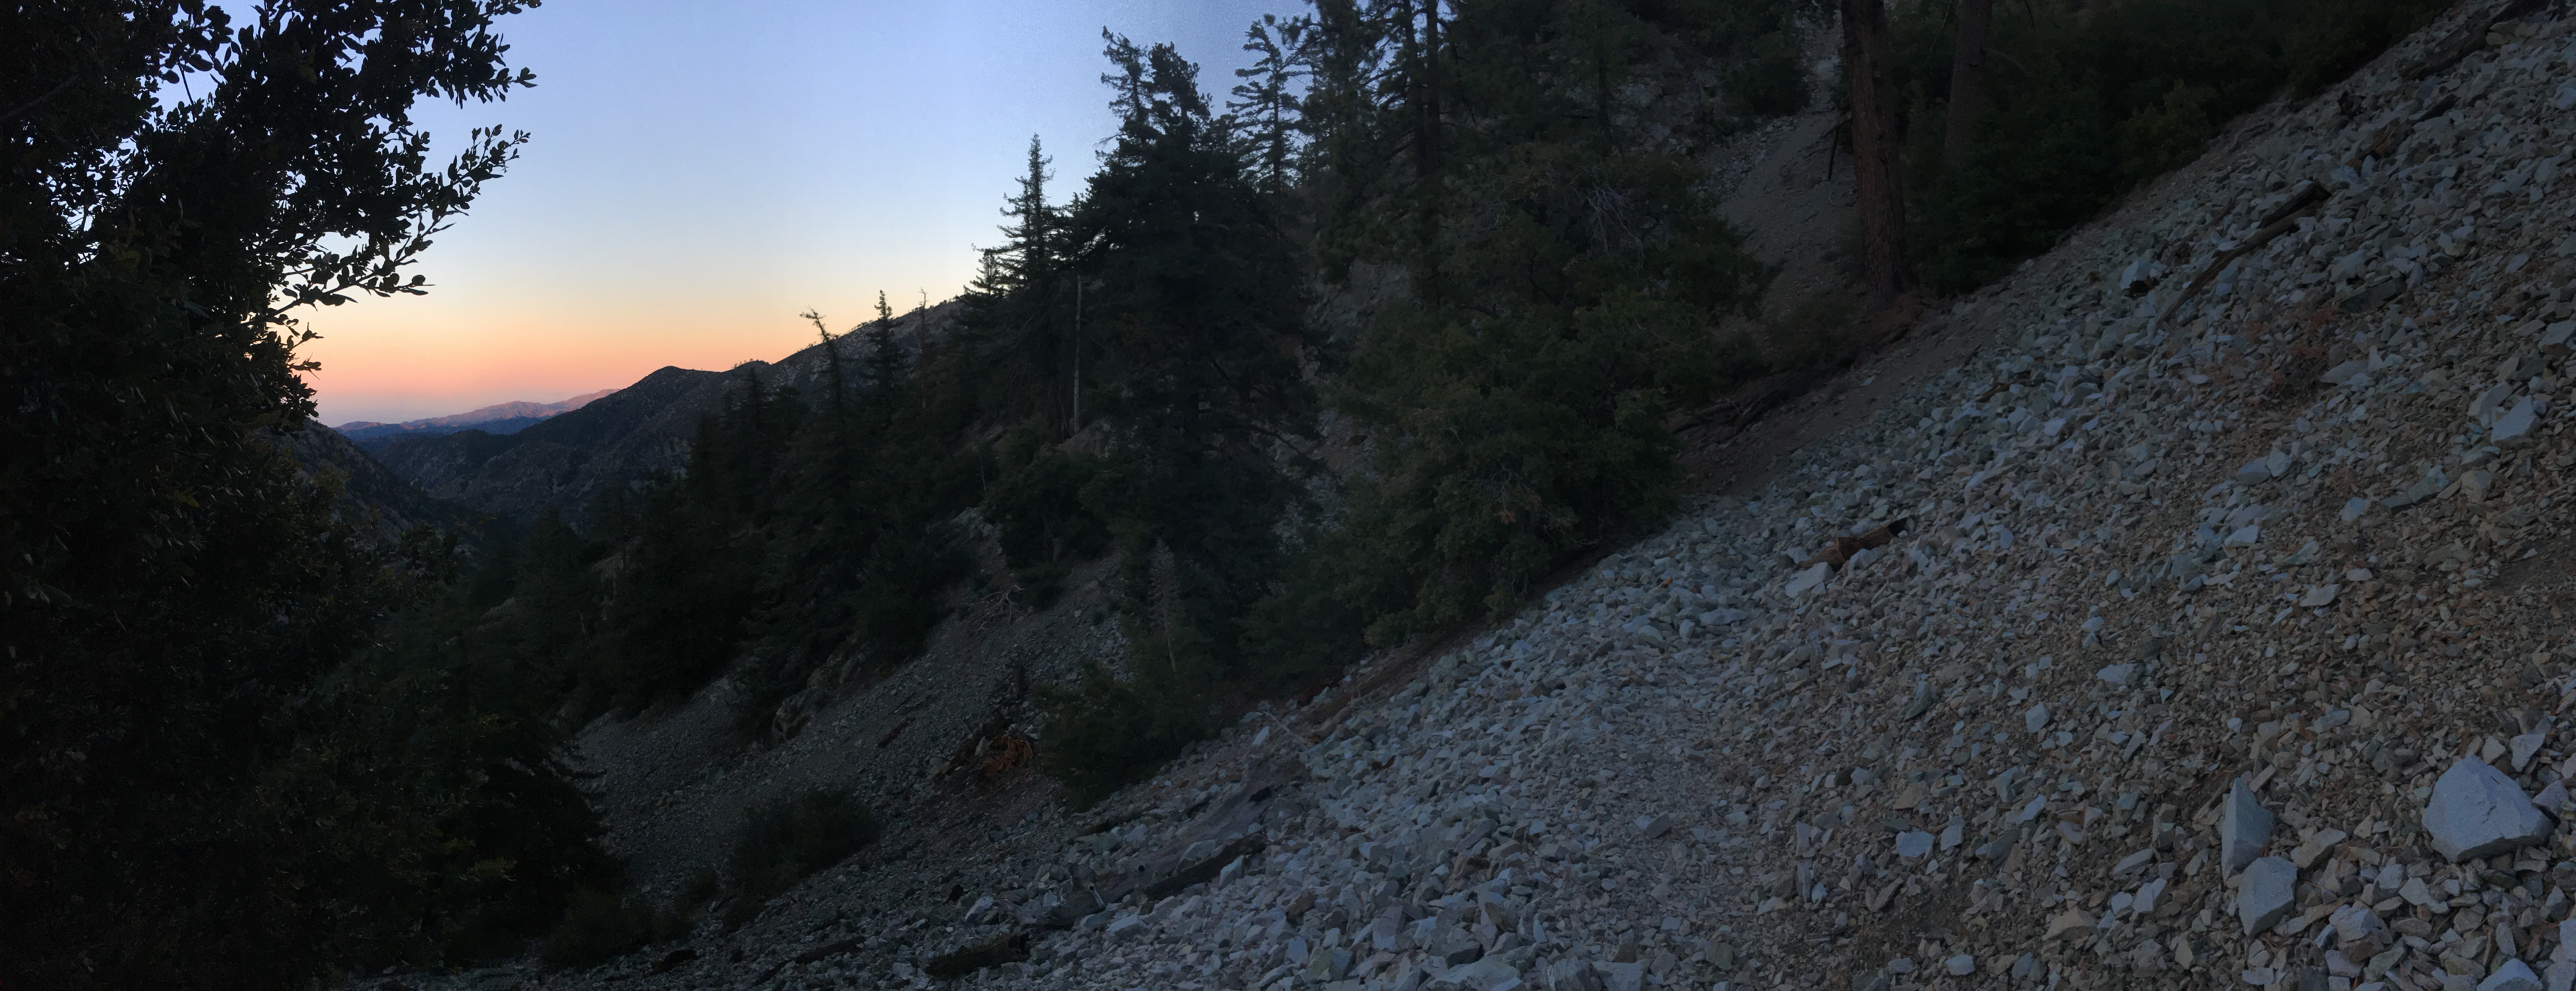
<point>1339,355</point>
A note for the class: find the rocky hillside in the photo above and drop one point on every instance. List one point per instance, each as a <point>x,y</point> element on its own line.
<point>2183,612</point>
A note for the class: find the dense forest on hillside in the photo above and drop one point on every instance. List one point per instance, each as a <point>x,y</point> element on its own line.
<point>236,710</point>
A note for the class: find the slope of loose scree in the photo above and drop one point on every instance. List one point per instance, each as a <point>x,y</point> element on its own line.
<point>2221,646</point>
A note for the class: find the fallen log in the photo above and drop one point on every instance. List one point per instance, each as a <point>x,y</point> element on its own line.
<point>2281,220</point>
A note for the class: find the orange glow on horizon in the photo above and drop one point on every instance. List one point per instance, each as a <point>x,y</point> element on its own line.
<point>393,360</point>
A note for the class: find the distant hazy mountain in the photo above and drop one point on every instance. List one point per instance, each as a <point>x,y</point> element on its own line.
<point>500,418</point>
<point>370,490</point>
<point>643,430</point>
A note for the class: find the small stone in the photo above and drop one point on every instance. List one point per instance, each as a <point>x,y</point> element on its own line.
<point>2145,901</point>
<point>2476,485</point>
<point>1808,579</point>
<point>2343,373</point>
<point>2315,846</point>
<point>2515,975</point>
<point>1486,974</point>
<point>1453,946</point>
<point>1621,976</point>
<point>2513,429</point>
<point>2354,508</point>
<point>1913,843</point>
<point>2264,894</point>
<point>2476,811</point>
<point>2525,747</point>
<point>2073,920</point>
<point>1654,826</point>
<point>2356,574</point>
<point>2260,976</point>
<point>2036,717</point>
<point>2117,674</point>
<point>1961,965</point>
<point>2255,472</point>
<point>2353,923</point>
<point>1127,927</point>
<point>2244,827</point>
<point>2322,595</point>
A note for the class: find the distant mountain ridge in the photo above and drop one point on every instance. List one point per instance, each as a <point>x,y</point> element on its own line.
<point>498,418</point>
<point>636,433</point>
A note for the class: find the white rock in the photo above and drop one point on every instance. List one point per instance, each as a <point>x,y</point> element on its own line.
<point>2322,595</point>
<point>2352,923</point>
<point>1913,843</point>
<point>2264,894</point>
<point>2476,811</point>
<point>2244,826</point>
<point>1808,579</point>
<point>2514,428</point>
<point>2145,901</point>
<point>2036,717</point>
<point>2515,975</point>
<point>2524,747</point>
<point>1961,965</point>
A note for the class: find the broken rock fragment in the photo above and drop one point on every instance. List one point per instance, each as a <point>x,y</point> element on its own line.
<point>2265,893</point>
<point>2477,811</point>
<point>2244,826</point>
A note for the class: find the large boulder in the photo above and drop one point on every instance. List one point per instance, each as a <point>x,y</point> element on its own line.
<point>2477,811</point>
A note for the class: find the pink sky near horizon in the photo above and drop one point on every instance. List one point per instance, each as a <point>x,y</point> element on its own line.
<point>701,173</point>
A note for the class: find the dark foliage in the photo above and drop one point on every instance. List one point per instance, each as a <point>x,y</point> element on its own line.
<point>2087,101</point>
<point>783,842</point>
<point>600,926</point>
<point>205,782</point>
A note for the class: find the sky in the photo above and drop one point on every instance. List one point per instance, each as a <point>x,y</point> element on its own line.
<point>702,171</point>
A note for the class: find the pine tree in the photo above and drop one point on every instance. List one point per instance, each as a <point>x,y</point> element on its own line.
<point>1198,324</point>
<point>1266,102</point>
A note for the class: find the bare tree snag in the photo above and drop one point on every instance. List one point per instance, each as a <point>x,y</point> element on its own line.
<point>1967,81</point>
<point>1867,61</point>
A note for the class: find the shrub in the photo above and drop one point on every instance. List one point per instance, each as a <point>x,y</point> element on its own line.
<point>782,842</point>
<point>1816,332</point>
<point>1769,82</point>
<point>600,926</point>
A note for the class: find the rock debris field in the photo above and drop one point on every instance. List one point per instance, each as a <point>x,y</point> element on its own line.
<point>2217,645</point>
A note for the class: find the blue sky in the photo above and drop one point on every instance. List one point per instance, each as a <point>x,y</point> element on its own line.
<point>701,172</point>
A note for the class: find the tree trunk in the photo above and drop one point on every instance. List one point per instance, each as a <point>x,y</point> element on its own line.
<point>1874,150</point>
<point>1429,158</point>
<point>1967,81</point>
